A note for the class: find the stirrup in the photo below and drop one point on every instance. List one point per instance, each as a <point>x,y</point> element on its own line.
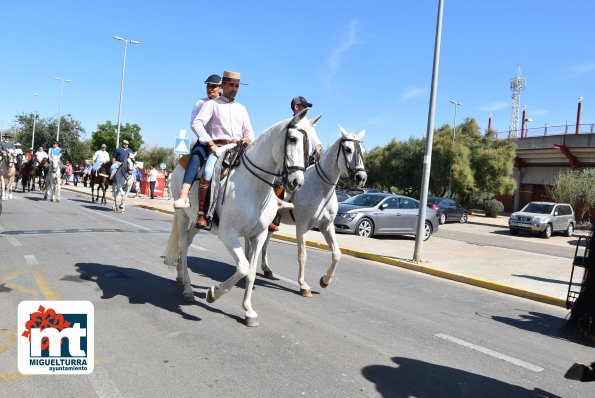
<point>285,206</point>
<point>181,203</point>
<point>199,225</point>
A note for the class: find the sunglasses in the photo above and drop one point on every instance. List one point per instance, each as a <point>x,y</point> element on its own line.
<point>212,86</point>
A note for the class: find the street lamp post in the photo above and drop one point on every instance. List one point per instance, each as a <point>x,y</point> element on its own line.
<point>34,120</point>
<point>122,83</point>
<point>454,132</point>
<point>62,81</point>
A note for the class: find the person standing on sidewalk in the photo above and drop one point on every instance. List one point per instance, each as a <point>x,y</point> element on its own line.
<point>153,180</point>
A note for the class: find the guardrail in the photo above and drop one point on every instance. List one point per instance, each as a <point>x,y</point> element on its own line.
<point>546,130</point>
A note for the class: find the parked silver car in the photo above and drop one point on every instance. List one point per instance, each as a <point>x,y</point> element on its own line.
<point>369,214</point>
<point>543,218</point>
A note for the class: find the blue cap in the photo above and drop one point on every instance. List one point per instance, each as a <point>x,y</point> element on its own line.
<point>213,79</point>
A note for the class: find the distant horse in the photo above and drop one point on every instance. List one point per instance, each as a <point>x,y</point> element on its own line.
<point>28,173</point>
<point>124,179</point>
<point>7,173</point>
<point>52,180</point>
<point>18,164</point>
<point>246,205</point>
<point>41,173</point>
<point>101,178</point>
<point>315,205</point>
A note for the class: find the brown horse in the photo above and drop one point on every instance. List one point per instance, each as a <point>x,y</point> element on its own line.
<point>28,174</point>
<point>101,178</point>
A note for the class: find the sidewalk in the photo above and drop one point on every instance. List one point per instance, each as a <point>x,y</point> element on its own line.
<point>533,276</point>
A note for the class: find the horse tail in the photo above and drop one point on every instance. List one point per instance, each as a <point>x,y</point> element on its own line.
<point>172,251</point>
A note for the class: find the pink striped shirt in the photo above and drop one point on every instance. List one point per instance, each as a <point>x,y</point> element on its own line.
<point>224,120</point>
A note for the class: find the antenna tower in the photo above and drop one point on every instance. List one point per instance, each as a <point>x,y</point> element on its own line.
<point>517,83</point>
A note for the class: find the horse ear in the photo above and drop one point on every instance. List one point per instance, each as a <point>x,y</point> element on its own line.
<point>344,132</point>
<point>316,119</point>
<point>299,116</point>
<point>134,154</point>
<point>361,134</point>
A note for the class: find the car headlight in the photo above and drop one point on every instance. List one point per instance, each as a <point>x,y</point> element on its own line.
<point>345,216</point>
<point>513,217</point>
<point>538,219</point>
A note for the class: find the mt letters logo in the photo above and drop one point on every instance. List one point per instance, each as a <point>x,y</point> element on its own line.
<point>56,337</point>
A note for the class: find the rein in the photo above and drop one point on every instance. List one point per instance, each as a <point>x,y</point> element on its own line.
<point>350,171</point>
<point>286,169</point>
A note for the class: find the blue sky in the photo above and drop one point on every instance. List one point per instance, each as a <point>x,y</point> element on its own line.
<point>365,65</point>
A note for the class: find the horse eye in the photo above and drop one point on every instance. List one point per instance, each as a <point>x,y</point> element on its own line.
<point>348,150</point>
<point>293,140</point>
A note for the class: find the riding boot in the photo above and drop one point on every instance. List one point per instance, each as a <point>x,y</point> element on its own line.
<point>203,189</point>
<point>274,226</point>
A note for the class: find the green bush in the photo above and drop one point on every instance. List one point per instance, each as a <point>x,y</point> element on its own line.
<point>493,207</point>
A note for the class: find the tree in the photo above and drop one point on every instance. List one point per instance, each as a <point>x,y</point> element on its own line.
<point>472,163</point>
<point>154,156</point>
<point>106,134</point>
<point>576,188</point>
<point>71,131</point>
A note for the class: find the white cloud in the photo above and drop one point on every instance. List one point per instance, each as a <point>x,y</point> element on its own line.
<point>333,61</point>
<point>412,93</point>
<point>579,70</point>
<point>495,106</point>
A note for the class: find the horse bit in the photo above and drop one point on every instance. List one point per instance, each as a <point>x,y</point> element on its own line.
<point>351,171</point>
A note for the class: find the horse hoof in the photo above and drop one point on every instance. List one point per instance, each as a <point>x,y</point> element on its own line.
<point>189,296</point>
<point>305,293</point>
<point>211,295</point>
<point>252,322</point>
<point>322,284</point>
<point>268,274</point>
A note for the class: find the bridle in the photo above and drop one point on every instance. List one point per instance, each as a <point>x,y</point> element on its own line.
<point>351,171</point>
<point>284,174</point>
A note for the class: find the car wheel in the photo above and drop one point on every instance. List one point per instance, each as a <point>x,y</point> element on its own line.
<point>365,228</point>
<point>463,218</point>
<point>547,232</point>
<point>570,230</point>
<point>513,231</point>
<point>427,230</point>
<point>442,219</point>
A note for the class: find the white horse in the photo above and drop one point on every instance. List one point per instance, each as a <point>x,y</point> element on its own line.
<point>7,173</point>
<point>315,205</point>
<point>52,179</point>
<point>246,205</point>
<point>124,179</point>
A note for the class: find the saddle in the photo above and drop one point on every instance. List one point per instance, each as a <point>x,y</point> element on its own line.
<point>229,158</point>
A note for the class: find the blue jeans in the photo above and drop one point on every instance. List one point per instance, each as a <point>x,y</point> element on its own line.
<point>196,156</point>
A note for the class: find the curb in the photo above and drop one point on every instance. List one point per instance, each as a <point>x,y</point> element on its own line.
<point>409,265</point>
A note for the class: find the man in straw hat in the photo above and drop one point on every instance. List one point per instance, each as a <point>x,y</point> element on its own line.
<point>220,122</point>
<point>199,151</point>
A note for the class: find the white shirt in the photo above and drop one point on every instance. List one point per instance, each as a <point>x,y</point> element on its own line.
<point>101,155</point>
<point>18,151</point>
<point>40,155</point>
<point>153,175</point>
<point>224,119</point>
<point>199,103</point>
<point>314,140</point>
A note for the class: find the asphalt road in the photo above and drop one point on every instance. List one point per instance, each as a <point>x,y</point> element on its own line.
<point>376,331</point>
<point>488,235</point>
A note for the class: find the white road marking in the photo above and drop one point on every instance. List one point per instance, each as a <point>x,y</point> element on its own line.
<point>102,383</point>
<point>30,259</point>
<point>492,353</point>
<point>13,241</point>
<point>2,228</point>
<point>199,247</point>
<point>95,212</point>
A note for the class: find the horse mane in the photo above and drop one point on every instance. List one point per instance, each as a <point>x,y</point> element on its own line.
<point>264,136</point>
